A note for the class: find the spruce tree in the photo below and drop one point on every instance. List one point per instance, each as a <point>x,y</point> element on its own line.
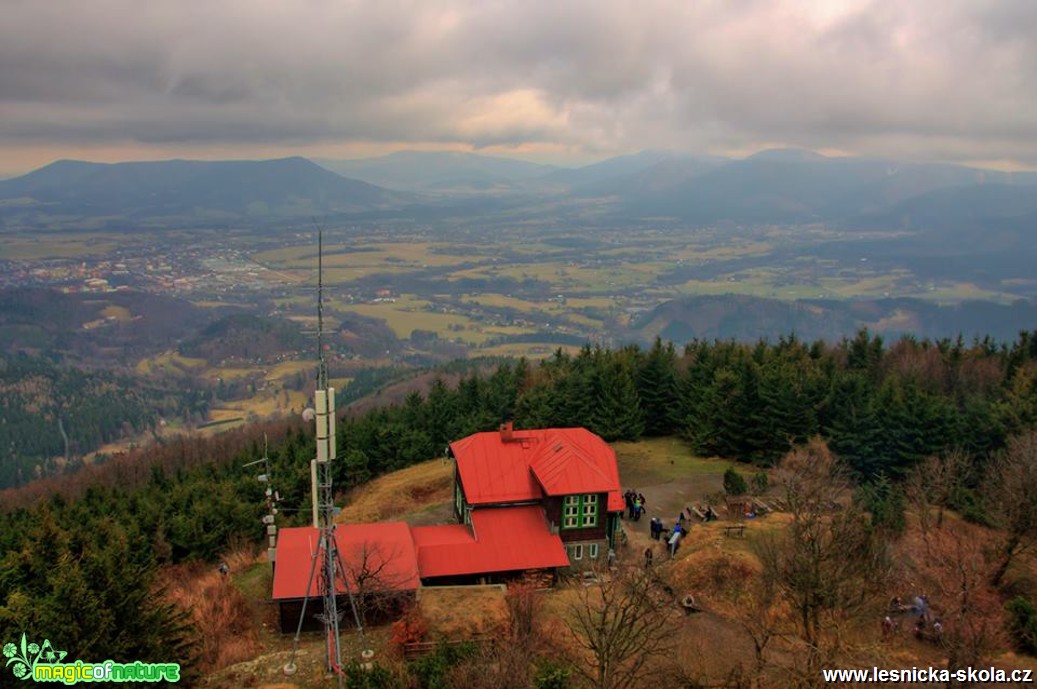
<point>617,415</point>
<point>657,389</point>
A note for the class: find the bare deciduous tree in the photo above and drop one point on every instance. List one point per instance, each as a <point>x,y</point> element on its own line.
<point>828,566</point>
<point>933,484</point>
<point>370,567</point>
<point>1012,500</point>
<point>620,625</point>
<point>953,568</point>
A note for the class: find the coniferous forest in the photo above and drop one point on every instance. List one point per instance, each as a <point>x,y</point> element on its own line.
<point>79,554</point>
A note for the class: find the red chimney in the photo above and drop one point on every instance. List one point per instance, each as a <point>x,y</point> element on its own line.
<point>506,432</point>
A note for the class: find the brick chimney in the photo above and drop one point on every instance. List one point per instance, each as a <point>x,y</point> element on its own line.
<point>506,432</point>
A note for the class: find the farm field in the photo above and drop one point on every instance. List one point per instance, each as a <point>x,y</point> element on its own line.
<point>492,291</point>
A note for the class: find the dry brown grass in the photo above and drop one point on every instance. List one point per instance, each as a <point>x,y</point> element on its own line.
<point>219,611</point>
<point>400,493</point>
<point>464,611</point>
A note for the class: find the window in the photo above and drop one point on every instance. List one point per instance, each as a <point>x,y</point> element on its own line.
<point>579,511</point>
<point>571,512</point>
<point>458,498</point>
<point>592,551</point>
<point>577,551</point>
<point>590,510</point>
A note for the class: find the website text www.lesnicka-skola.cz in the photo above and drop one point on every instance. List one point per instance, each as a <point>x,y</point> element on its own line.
<point>925,675</point>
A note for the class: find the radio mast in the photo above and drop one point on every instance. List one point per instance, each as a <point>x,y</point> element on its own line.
<point>330,561</point>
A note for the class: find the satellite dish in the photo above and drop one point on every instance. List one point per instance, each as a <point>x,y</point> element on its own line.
<point>308,414</point>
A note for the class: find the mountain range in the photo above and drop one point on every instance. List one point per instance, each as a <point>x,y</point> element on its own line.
<point>196,192</point>
<point>784,186</point>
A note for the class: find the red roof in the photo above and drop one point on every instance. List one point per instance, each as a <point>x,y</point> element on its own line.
<point>386,545</point>
<point>563,465</point>
<point>559,461</point>
<point>493,471</point>
<point>502,539</point>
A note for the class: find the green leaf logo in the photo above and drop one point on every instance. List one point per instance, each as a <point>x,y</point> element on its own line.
<point>23,659</point>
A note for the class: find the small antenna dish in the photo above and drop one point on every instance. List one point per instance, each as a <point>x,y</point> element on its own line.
<point>309,414</point>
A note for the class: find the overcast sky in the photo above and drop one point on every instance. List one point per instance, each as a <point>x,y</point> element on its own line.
<point>560,80</point>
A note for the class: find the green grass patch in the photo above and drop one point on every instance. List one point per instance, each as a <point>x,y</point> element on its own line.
<point>255,581</point>
<point>661,460</point>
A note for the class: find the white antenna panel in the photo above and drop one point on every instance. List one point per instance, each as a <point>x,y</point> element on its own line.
<point>331,423</point>
<point>313,493</point>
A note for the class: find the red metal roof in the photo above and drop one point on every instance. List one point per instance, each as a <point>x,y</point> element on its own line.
<point>563,465</point>
<point>555,461</point>
<point>502,539</point>
<point>493,471</point>
<point>385,543</point>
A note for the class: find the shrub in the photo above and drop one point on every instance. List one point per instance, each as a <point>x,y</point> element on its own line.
<point>734,484</point>
<point>1022,623</point>
<point>377,677</point>
<point>551,675</point>
<point>431,671</point>
<point>760,483</point>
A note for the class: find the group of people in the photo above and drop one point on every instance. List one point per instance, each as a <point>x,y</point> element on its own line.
<point>635,503</point>
<point>919,608</point>
<point>672,537</point>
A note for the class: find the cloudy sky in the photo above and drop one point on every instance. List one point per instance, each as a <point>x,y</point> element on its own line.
<point>561,81</point>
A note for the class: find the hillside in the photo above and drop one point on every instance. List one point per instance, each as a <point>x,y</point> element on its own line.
<point>738,631</point>
<point>247,338</point>
<point>437,171</point>
<point>779,187</point>
<point>192,192</point>
<point>885,409</point>
<point>107,328</point>
<point>747,318</point>
<point>771,187</point>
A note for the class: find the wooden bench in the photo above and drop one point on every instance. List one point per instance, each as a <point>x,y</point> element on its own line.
<point>737,529</point>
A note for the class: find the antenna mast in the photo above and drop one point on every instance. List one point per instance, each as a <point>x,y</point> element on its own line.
<point>330,561</point>
<point>322,366</point>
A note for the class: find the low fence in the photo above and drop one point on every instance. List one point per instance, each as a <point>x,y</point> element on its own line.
<point>417,649</point>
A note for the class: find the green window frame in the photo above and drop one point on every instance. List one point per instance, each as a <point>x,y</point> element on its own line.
<point>579,511</point>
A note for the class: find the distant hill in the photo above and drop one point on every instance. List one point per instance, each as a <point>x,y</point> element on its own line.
<point>783,186</point>
<point>645,173</point>
<point>114,328</point>
<point>748,319</point>
<point>246,337</point>
<point>791,186</point>
<point>988,210</point>
<point>184,190</point>
<point>437,170</point>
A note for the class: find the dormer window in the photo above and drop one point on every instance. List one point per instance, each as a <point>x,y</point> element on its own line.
<point>580,511</point>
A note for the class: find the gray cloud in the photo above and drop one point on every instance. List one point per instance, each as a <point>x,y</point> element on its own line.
<point>943,79</point>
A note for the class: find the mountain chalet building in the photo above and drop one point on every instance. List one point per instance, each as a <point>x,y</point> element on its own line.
<point>527,503</point>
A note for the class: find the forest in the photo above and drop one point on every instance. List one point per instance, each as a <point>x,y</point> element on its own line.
<point>58,410</point>
<point>80,553</point>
